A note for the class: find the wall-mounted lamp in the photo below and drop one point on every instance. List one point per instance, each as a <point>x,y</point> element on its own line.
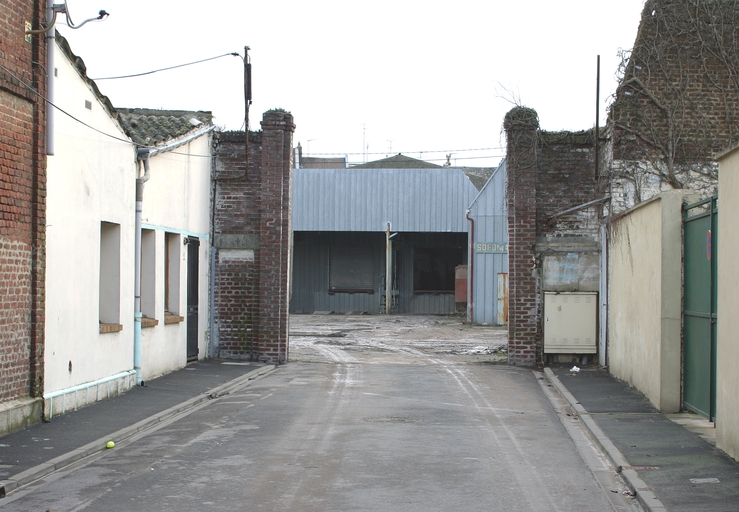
<point>62,8</point>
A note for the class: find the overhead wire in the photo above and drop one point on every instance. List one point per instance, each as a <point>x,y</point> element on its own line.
<point>410,152</point>
<point>234,54</point>
<point>31,88</point>
<point>33,91</point>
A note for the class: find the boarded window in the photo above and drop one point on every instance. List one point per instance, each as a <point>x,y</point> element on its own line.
<point>110,273</point>
<point>172,245</point>
<point>351,269</point>
<point>148,272</point>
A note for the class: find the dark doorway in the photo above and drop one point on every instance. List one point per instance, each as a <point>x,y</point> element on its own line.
<point>193,267</point>
<point>433,268</point>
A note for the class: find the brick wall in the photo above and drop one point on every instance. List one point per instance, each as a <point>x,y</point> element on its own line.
<point>22,201</point>
<point>251,234</point>
<point>678,102</point>
<point>565,179</point>
<point>548,173</point>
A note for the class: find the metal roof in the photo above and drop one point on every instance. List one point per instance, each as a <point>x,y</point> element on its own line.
<point>398,161</point>
<point>412,200</point>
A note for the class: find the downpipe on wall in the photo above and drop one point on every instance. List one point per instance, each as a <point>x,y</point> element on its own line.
<point>143,155</point>
<point>471,273</point>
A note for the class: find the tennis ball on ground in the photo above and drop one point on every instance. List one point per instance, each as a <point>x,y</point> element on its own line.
<point>110,444</point>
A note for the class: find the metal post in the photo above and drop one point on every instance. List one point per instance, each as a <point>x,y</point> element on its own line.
<point>388,270</point>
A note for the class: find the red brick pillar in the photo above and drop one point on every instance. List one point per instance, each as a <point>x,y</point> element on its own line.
<point>274,235</point>
<point>524,329</point>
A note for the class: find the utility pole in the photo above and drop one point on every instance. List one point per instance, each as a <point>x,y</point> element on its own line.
<point>247,103</point>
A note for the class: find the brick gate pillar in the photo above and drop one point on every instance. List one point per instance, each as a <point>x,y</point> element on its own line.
<point>524,330</point>
<point>275,235</point>
<point>252,238</point>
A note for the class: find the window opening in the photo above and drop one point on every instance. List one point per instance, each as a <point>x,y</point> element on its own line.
<point>172,245</point>
<point>110,273</point>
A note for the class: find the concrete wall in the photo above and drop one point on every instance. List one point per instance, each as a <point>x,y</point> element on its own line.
<point>645,298</point>
<point>727,378</point>
<point>91,180</point>
<point>574,266</point>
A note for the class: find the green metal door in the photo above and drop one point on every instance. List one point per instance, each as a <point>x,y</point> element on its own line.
<point>699,307</point>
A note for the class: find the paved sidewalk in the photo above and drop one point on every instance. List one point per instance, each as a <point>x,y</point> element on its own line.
<point>29,454</point>
<point>669,467</point>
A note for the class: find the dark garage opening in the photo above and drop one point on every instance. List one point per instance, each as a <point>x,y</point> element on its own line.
<point>433,268</point>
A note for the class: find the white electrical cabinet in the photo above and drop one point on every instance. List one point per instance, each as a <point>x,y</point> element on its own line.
<point>570,323</point>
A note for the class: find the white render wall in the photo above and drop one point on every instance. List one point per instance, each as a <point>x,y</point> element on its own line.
<point>177,201</point>
<point>727,348</point>
<point>90,180</point>
<point>645,298</point>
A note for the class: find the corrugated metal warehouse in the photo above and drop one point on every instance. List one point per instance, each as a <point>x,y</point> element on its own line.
<point>488,261</point>
<point>346,221</point>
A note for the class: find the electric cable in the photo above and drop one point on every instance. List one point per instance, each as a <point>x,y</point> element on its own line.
<point>410,152</point>
<point>235,54</point>
<point>31,88</point>
<point>33,91</point>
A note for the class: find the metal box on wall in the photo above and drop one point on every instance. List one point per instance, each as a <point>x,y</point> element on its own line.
<point>570,323</point>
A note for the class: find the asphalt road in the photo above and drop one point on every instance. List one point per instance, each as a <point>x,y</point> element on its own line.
<point>398,427</point>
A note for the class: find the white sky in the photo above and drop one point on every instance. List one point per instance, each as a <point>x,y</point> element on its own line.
<point>419,77</point>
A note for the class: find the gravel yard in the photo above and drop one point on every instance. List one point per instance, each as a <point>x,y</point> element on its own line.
<point>372,338</point>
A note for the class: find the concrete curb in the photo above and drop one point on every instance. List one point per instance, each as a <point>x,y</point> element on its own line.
<point>646,496</point>
<point>64,460</point>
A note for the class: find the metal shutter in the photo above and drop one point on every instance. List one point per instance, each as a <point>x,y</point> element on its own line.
<point>351,269</point>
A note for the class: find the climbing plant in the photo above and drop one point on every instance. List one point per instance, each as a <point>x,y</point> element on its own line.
<point>677,104</point>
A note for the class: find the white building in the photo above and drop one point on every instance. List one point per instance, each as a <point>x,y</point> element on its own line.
<point>175,240</point>
<point>91,333</point>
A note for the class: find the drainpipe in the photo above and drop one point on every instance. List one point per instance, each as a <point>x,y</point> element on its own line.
<point>143,157</point>
<point>471,273</point>
<point>50,48</point>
